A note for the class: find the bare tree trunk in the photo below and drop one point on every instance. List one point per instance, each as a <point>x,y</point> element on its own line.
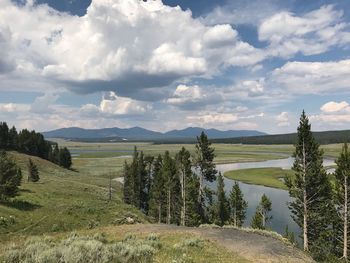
<point>200,188</point>
<point>305,235</point>
<point>184,199</point>
<point>345,246</point>
<point>159,213</point>
<point>182,181</point>
<point>169,208</point>
<point>235,217</point>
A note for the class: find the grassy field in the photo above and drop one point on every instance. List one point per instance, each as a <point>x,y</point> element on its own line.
<point>270,177</point>
<point>62,200</point>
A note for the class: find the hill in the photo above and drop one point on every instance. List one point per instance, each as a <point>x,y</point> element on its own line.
<point>137,133</point>
<point>63,200</point>
<point>324,137</point>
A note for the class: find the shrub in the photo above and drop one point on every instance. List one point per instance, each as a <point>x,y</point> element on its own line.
<point>84,249</point>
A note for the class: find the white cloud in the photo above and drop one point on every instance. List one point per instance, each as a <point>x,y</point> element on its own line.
<point>43,103</point>
<point>313,33</point>
<point>254,87</point>
<point>113,105</point>
<point>283,119</point>
<point>241,12</point>
<point>123,46</point>
<point>333,106</point>
<point>213,118</point>
<point>313,77</point>
<point>192,97</point>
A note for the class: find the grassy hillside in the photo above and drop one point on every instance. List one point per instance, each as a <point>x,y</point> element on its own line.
<point>62,200</point>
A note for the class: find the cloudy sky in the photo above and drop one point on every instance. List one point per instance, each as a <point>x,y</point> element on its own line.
<point>172,64</point>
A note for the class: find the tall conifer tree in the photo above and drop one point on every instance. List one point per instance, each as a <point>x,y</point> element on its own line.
<point>238,205</point>
<point>342,198</point>
<point>310,188</point>
<point>204,157</point>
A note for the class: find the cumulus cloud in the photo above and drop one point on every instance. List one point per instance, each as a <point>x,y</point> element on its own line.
<point>192,97</point>
<point>112,105</point>
<point>333,106</point>
<point>123,46</point>
<point>313,33</point>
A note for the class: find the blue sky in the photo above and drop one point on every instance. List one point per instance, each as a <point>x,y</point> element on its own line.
<point>173,64</point>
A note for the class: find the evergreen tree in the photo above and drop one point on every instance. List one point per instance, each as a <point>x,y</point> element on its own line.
<point>289,235</point>
<point>257,222</point>
<point>149,164</point>
<point>56,155</point>
<point>33,172</point>
<point>173,202</point>
<point>238,205</point>
<point>157,193</point>
<point>65,159</point>
<point>143,180</point>
<point>183,159</point>
<point>4,135</point>
<point>222,205</point>
<point>12,138</point>
<point>310,188</point>
<point>342,198</point>
<point>204,157</point>
<point>128,184</point>
<point>10,176</point>
<point>262,217</point>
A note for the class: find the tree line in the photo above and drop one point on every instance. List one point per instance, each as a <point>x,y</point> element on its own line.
<point>33,143</point>
<point>175,190</point>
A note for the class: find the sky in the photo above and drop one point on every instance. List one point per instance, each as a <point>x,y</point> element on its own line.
<point>173,64</point>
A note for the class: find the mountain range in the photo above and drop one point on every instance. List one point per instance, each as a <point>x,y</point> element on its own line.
<point>137,133</point>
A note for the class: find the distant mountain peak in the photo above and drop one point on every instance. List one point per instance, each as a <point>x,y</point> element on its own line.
<point>139,133</point>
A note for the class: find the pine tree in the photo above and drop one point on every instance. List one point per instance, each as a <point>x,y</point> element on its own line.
<point>222,205</point>
<point>149,164</point>
<point>65,159</point>
<point>10,176</point>
<point>185,174</point>
<point>128,188</point>
<point>342,197</point>
<point>56,155</point>
<point>157,193</point>
<point>33,172</point>
<point>238,205</point>
<point>143,180</point>
<point>204,156</point>
<point>257,222</point>
<point>262,217</point>
<point>172,183</point>
<point>12,138</point>
<point>310,188</point>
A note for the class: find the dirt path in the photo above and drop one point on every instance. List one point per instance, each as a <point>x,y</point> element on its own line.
<point>254,247</point>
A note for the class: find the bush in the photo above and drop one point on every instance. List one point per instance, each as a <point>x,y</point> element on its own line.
<point>84,249</point>
<point>6,221</point>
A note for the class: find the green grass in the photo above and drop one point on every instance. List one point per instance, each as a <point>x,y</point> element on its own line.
<point>62,200</point>
<point>270,177</point>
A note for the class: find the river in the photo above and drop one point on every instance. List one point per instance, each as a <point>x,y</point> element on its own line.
<point>281,215</point>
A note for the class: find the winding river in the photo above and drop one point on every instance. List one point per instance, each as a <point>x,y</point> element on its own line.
<point>281,215</point>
